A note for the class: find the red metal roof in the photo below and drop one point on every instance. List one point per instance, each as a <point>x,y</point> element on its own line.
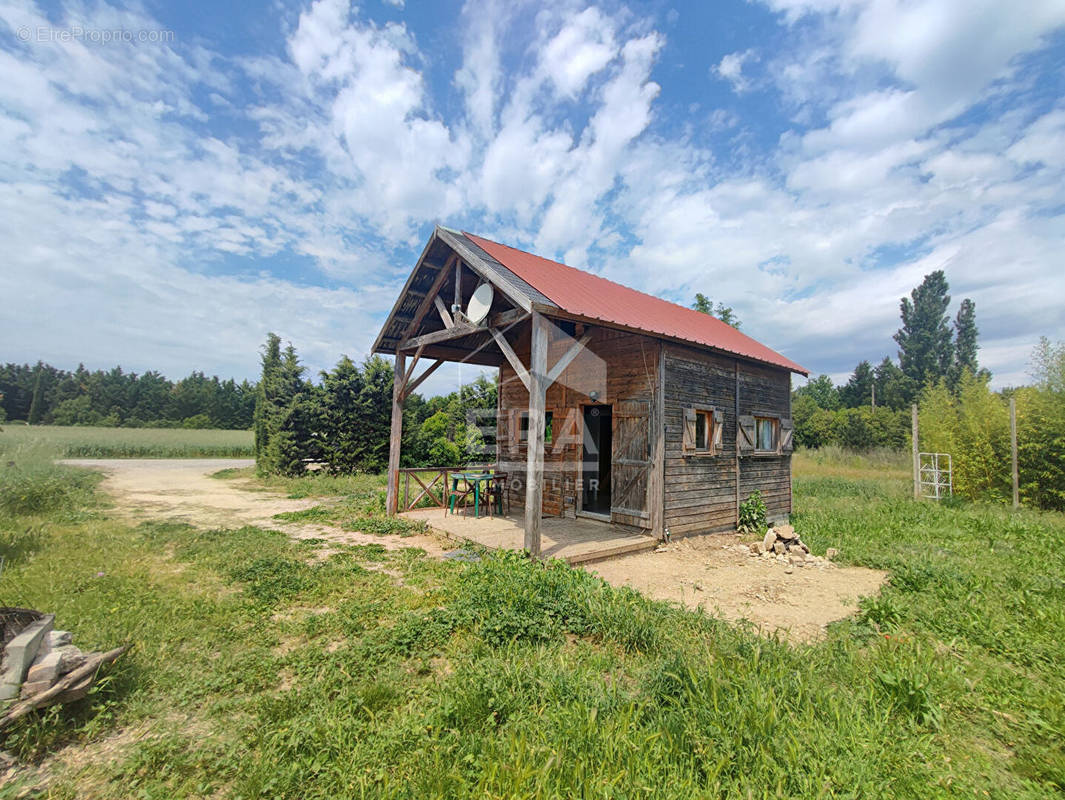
<point>587,295</point>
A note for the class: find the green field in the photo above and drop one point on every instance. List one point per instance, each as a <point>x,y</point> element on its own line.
<point>263,668</point>
<point>86,442</point>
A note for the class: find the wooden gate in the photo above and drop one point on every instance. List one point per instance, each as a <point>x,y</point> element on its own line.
<point>631,463</point>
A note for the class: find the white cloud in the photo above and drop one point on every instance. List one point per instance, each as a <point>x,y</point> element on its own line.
<point>127,208</point>
<point>730,68</point>
<point>582,47</point>
<point>1043,142</point>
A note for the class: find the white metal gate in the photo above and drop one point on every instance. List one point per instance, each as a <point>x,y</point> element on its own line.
<point>936,475</point>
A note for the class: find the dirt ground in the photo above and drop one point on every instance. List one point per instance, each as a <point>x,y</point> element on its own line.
<point>707,572</point>
<point>183,491</point>
<point>713,573</point>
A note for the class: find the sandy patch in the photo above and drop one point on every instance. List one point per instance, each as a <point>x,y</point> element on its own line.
<point>710,573</point>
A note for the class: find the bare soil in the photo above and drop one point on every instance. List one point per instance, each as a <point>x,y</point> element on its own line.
<point>714,574</point>
<point>707,573</point>
<point>183,491</point>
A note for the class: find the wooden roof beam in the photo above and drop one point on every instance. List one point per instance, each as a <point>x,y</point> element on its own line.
<point>427,300</point>
<point>410,386</point>
<point>512,357</point>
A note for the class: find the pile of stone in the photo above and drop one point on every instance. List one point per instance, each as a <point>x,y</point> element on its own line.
<point>40,665</point>
<point>783,544</point>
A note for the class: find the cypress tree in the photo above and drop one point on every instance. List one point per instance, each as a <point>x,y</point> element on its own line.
<point>965,347</point>
<point>926,351</point>
<point>858,391</point>
<point>271,361</point>
<point>37,403</point>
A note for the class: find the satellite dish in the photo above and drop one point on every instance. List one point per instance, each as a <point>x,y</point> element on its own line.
<point>480,304</point>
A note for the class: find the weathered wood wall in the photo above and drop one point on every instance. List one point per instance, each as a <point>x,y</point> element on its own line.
<point>765,391</point>
<point>700,489</point>
<point>695,492</point>
<point>620,366</point>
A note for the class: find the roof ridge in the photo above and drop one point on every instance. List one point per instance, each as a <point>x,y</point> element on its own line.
<point>742,344</point>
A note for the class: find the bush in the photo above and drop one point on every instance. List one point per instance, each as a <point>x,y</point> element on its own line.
<point>973,427</point>
<point>753,514</point>
<point>863,428</point>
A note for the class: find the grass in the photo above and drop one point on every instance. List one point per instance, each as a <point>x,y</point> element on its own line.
<point>262,669</point>
<point>87,442</point>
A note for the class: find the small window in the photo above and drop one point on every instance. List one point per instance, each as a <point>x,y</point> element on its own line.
<point>523,430</point>
<point>765,434</point>
<point>704,426</point>
<point>702,431</point>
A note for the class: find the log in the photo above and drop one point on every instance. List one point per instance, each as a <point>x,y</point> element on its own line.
<point>68,681</point>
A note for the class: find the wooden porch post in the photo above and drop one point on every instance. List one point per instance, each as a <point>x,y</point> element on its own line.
<point>396,436</point>
<point>534,473</point>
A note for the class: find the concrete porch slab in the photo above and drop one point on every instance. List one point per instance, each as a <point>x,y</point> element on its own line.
<point>577,541</point>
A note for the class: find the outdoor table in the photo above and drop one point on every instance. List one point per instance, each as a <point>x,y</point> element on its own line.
<point>475,478</point>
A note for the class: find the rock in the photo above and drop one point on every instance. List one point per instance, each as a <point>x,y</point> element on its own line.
<point>59,639</point>
<point>20,653</point>
<point>803,547</point>
<point>831,553</point>
<point>796,559</point>
<point>756,548</point>
<point>811,558</point>
<point>769,540</point>
<point>785,532</point>
<point>788,569</point>
<point>780,548</point>
<point>767,554</point>
<point>45,669</point>
<point>70,658</point>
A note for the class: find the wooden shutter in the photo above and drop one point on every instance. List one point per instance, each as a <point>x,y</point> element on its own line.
<point>689,430</point>
<point>631,463</point>
<point>787,435</point>
<point>719,430</point>
<point>745,434</point>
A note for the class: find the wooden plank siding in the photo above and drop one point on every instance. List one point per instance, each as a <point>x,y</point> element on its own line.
<point>700,488</point>
<point>765,391</point>
<point>623,368</point>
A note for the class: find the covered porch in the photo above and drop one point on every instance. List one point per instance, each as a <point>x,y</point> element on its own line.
<point>576,541</point>
<point>462,305</point>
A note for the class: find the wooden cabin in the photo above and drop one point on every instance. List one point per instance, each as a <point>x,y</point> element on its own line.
<point>613,404</point>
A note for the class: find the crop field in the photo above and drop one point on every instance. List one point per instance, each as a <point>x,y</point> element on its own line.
<point>265,666</point>
<point>86,442</point>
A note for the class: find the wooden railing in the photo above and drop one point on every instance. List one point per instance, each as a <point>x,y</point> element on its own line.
<point>431,485</point>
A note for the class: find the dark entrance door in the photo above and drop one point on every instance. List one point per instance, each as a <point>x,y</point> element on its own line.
<point>595,475</point>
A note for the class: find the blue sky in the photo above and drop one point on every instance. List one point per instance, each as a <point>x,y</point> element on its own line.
<point>214,170</point>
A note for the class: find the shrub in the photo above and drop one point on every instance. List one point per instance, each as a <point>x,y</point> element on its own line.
<point>753,514</point>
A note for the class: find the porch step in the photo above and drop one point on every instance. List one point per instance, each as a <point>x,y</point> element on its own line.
<point>612,552</point>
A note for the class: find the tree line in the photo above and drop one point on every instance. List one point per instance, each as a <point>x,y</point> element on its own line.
<point>870,409</point>
<point>43,394</point>
<point>342,422</point>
